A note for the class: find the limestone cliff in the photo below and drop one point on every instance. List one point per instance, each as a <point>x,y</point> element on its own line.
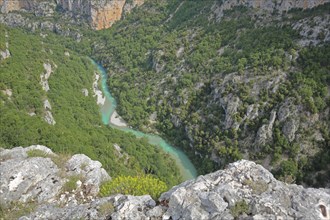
<point>244,190</point>
<point>39,8</point>
<point>279,5</point>
<point>100,13</point>
<point>103,13</point>
<point>14,5</point>
<point>268,5</point>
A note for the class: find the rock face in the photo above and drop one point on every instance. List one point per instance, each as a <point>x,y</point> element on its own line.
<point>30,174</point>
<point>244,190</point>
<point>279,5</point>
<point>101,13</point>
<point>24,178</point>
<point>94,175</point>
<point>40,8</point>
<point>4,54</point>
<point>269,5</point>
<point>216,196</point>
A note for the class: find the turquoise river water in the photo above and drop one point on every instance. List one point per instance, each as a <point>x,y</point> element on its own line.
<point>187,169</point>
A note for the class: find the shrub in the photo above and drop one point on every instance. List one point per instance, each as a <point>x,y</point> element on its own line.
<point>71,184</point>
<point>139,185</point>
<point>37,153</point>
<point>239,208</point>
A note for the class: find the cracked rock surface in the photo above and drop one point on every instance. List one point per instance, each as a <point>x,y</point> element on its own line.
<point>244,190</point>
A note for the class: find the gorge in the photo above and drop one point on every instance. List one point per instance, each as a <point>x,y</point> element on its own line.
<point>92,93</point>
<point>186,168</point>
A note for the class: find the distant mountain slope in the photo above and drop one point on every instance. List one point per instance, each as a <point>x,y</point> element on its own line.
<point>252,84</point>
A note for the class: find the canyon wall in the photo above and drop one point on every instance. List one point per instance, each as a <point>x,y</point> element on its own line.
<point>100,13</point>
<point>272,5</point>
<point>14,5</point>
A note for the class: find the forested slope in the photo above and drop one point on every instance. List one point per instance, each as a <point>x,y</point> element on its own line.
<point>248,84</point>
<point>63,113</point>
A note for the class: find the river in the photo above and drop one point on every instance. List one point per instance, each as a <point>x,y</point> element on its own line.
<point>187,169</point>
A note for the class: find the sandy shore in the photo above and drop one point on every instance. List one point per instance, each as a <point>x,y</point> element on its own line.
<point>117,120</point>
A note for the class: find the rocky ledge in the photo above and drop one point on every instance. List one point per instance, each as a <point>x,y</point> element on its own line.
<point>244,190</point>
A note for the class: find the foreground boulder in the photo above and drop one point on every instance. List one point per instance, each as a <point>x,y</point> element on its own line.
<point>244,190</point>
<point>36,174</point>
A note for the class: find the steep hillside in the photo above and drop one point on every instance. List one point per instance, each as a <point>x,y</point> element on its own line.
<point>47,97</point>
<point>248,82</point>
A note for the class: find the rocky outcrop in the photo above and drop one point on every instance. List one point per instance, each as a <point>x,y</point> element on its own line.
<point>269,5</point>
<point>265,132</point>
<point>313,33</point>
<point>221,195</point>
<point>4,54</point>
<point>24,178</point>
<point>278,5</point>
<point>100,99</point>
<point>48,117</point>
<point>45,76</point>
<point>39,8</point>
<point>100,13</point>
<point>92,172</point>
<point>18,20</point>
<point>36,174</point>
<point>244,190</point>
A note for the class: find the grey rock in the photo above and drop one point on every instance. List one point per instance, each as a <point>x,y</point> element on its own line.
<point>84,92</point>
<point>47,105</point>
<point>268,5</point>
<point>45,149</point>
<point>265,132</point>
<point>49,118</point>
<point>20,153</point>
<point>28,179</point>
<point>92,211</point>
<point>25,179</point>
<point>94,175</point>
<point>132,207</point>
<point>212,196</point>
<point>215,194</point>
<point>286,110</point>
<point>4,54</point>
<point>313,33</point>
<point>290,128</point>
<point>231,108</point>
<point>45,9</point>
<point>45,76</point>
